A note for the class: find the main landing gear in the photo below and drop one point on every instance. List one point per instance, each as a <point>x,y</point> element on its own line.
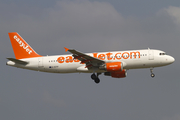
<point>152,74</point>
<point>95,77</point>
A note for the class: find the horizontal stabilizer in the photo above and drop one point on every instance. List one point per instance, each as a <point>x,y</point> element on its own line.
<point>18,61</point>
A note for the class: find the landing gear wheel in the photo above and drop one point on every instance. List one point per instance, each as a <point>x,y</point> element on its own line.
<point>95,78</point>
<point>152,75</point>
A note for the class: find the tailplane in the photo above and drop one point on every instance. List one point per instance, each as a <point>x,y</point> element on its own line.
<point>21,47</point>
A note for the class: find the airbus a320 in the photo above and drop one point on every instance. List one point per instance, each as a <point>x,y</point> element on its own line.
<point>111,63</point>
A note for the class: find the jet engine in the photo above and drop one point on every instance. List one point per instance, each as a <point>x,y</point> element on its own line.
<point>120,74</point>
<point>112,67</point>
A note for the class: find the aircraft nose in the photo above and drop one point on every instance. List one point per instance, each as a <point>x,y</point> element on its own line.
<point>171,59</point>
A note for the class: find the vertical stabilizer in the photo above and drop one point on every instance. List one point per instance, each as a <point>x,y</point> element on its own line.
<point>21,48</point>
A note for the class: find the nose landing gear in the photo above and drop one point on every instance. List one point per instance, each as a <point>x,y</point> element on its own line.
<point>152,74</point>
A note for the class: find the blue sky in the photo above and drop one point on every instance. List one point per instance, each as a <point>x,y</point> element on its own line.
<point>90,26</point>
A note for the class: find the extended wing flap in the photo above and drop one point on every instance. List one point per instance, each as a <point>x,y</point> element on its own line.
<point>18,61</point>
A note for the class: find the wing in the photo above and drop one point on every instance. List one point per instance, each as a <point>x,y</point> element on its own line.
<point>84,58</point>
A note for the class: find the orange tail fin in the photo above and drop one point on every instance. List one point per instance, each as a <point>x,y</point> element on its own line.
<point>21,47</point>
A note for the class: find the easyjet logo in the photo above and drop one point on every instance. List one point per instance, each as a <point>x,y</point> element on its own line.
<point>23,45</point>
<point>106,56</point>
<point>113,66</point>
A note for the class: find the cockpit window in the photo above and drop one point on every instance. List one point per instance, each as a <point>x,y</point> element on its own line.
<point>162,53</point>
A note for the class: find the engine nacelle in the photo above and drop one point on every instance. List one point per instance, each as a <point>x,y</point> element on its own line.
<point>112,67</point>
<point>120,74</point>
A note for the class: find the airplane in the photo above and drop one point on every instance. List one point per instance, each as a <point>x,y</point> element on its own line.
<point>112,63</point>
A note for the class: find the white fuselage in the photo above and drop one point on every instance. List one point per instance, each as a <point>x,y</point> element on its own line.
<point>134,59</point>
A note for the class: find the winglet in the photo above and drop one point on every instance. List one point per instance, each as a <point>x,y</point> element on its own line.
<point>66,49</point>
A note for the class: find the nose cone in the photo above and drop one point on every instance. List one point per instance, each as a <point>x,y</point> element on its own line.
<point>170,59</point>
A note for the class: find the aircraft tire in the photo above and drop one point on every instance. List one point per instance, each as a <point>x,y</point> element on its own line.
<point>97,80</point>
<point>152,75</point>
<point>93,76</point>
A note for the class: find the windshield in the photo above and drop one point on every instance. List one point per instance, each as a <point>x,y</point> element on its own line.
<point>162,53</point>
